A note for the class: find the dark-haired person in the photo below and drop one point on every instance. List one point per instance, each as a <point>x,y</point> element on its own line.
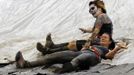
<point>102,24</point>
<point>88,56</point>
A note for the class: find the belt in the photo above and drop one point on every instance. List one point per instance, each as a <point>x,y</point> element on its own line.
<point>94,49</point>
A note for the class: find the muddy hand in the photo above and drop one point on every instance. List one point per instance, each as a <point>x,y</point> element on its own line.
<point>86,46</point>
<point>122,44</point>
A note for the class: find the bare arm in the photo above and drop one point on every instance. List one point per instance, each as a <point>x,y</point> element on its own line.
<point>119,46</point>
<point>112,53</point>
<point>89,30</point>
<point>95,33</point>
<point>97,27</point>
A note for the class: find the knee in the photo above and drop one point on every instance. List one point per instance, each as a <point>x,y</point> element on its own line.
<point>75,62</point>
<point>72,45</point>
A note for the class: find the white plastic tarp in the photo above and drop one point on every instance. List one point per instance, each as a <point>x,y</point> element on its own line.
<point>23,23</point>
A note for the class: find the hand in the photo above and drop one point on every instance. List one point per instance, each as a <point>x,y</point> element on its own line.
<point>83,30</point>
<point>86,46</point>
<point>122,44</point>
<point>89,39</point>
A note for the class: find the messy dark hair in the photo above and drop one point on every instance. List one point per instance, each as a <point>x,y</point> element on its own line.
<point>95,3</point>
<point>112,45</point>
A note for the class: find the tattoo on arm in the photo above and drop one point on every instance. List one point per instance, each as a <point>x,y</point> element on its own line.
<point>95,33</point>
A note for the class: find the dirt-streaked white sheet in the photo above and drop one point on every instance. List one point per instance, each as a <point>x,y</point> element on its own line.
<point>25,22</point>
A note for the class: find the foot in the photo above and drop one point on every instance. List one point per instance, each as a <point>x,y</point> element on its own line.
<point>58,71</point>
<point>42,49</point>
<point>19,60</point>
<point>49,42</point>
<point>67,67</point>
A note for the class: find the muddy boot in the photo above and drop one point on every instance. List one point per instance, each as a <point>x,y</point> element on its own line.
<point>56,48</point>
<point>40,47</point>
<point>20,62</point>
<point>49,51</point>
<point>67,67</point>
<point>49,42</point>
<point>44,50</point>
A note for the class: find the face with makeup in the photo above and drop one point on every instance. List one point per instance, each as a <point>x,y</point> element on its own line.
<point>94,10</point>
